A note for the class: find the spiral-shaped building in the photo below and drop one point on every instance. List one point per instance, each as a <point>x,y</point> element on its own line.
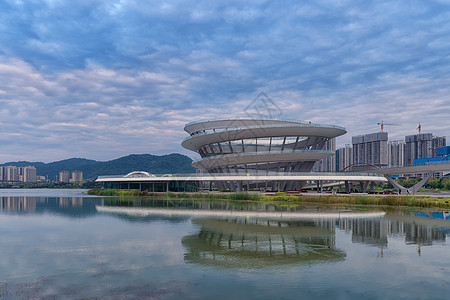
<point>258,146</point>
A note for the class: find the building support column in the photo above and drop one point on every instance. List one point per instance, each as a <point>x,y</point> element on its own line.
<point>421,183</point>
<point>363,185</point>
<point>397,186</point>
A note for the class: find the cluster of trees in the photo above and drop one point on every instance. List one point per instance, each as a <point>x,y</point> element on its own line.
<point>442,184</point>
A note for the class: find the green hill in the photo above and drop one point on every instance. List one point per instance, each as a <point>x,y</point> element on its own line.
<point>165,164</point>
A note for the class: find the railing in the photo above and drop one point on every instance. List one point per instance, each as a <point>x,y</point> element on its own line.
<point>279,174</point>
<point>440,162</point>
<point>219,130</point>
<point>298,122</point>
<point>416,165</point>
<point>230,155</point>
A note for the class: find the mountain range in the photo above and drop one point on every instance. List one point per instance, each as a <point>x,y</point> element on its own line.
<point>165,164</point>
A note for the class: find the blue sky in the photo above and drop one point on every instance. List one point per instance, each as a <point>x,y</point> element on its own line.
<point>103,79</point>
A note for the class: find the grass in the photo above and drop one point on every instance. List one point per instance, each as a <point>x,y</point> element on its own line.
<point>408,201</point>
<point>114,192</point>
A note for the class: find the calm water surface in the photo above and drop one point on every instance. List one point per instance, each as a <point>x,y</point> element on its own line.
<point>58,244</point>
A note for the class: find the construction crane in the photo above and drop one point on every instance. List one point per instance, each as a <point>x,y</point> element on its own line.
<point>419,128</point>
<point>382,124</point>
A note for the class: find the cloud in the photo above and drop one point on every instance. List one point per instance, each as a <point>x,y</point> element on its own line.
<point>101,79</point>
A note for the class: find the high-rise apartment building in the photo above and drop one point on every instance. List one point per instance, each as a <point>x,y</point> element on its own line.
<point>11,174</point>
<point>77,176</point>
<point>64,176</point>
<point>396,153</point>
<point>327,164</point>
<point>29,174</point>
<point>370,149</point>
<point>438,142</point>
<point>344,158</point>
<point>18,174</point>
<point>428,143</point>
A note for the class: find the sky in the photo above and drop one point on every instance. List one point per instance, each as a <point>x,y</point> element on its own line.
<point>104,79</point>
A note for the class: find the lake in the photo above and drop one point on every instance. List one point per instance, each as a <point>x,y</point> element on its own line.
<point>60,244</point>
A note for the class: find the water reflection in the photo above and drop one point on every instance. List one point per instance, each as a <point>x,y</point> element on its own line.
<point>224,209</point>
<point>371,232</point>
<point>140,249</point>
<point>247,243</point>
<point>223,225</point>
<point>232,221</point>
<point>444,215</point>
<point>412,227</point>
<point>68,206</point>
<point>18,204</point>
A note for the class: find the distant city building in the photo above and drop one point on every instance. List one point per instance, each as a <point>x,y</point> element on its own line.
<point>11,174</point>
<point>440,154</point>
<point>18,174</point>
<point>42,178</point>
<point>327,164</point>
<point>370,149</point>
<point>28,174</point>
<point>64,176</point>
<point>77,176</point>
<point>344,158</point>
<point>438,142</point>
<point>443,151</point>
<point>428,145</point>
<point>396,153</point>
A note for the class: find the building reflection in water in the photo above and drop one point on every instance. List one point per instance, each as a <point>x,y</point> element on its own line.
<point>364,229</point>
<point>17,204</point>
<point>256,243</point>
<point>77,202</point>
<point>288,240</point>
<point>415,229</point>
<point>30,203</point>
<point>70,202</point>
<point>372,232</point>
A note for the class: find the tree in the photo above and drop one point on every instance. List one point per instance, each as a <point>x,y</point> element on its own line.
<point>446,184</point>
<point>432,183</point>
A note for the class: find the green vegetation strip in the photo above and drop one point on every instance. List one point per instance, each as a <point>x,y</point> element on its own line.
<point>411,201</point>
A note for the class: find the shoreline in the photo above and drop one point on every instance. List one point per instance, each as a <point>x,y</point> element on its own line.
<point>350,199</point>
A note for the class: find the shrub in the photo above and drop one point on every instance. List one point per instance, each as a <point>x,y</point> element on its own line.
<point>362,200</point>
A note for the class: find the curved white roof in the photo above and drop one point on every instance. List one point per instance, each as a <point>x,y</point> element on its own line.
<point>269,130</point>
<point>246,122</point>
<point>139,174</point>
